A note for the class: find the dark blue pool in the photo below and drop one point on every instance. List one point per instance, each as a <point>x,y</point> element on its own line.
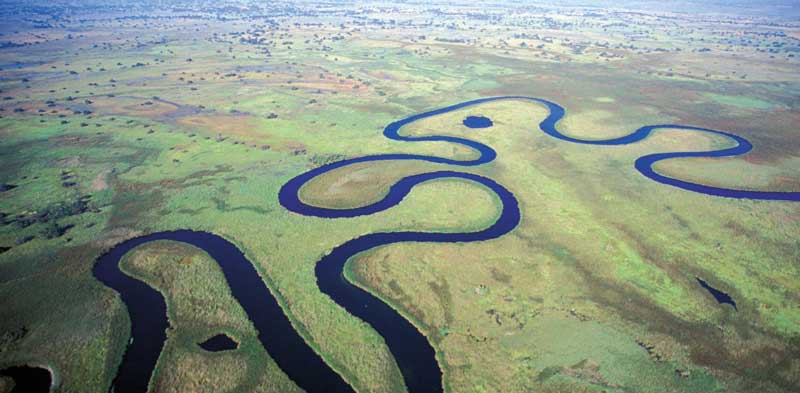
<point>478,122</point>
<point>719,296</point>
<point>218,343</point>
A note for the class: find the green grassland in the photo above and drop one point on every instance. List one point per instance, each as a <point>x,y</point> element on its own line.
<point>200,306</point>
<point>594,291</point>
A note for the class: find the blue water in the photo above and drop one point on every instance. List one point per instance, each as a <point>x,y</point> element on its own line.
<point>413,353</point>
<point>644,164</point>
<point>220,342</point>
<point>148,314</point>
<point>18,65</point>
<point>721,297</point>
<point>478,122</point>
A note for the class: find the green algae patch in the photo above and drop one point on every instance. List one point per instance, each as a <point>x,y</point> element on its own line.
<point>591,354</point>
<point>740,101</point>
<point>654,282</point>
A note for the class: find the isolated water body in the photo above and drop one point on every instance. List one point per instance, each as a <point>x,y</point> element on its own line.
<point>477,122</point>
<point>218,343</point>
<point>28,379</point>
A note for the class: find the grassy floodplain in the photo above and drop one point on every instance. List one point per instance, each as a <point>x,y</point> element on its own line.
<point>118,120</point>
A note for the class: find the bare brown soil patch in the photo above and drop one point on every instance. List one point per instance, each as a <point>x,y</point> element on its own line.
<point>341,86</point>
<point>115,236</point>
<point>100,182</point>
<point>133,106</point>
<point>784,183</point>
<point>76,139</point>
<point>226,125</point>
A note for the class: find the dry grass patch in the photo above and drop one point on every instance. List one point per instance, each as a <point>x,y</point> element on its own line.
<point>226,125</point>
<point>358,184</point>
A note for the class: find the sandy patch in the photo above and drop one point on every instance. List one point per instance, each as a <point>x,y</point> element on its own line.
<point>116,236</point>
<point>227,125</point>
<point>133,106</point>
<point>69,162</point>
<point>100,182</point>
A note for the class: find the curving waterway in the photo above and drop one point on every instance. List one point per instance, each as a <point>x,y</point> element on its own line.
<point>413,353</point>
<point>148,313</point>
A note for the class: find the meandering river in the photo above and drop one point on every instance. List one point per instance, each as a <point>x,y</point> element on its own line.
<point>412,351</point>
